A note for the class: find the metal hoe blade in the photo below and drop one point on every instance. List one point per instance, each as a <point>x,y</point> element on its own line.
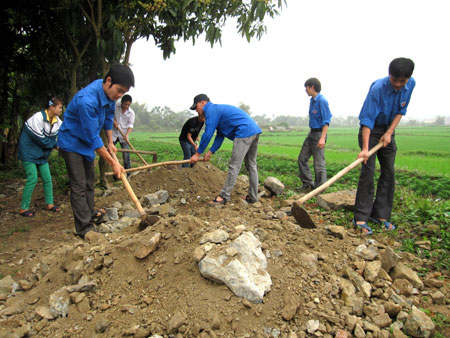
<point>302,217</point>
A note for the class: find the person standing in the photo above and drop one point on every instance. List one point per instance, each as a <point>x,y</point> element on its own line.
<point>36,142</point>
<point>122,126</point>
<point>385,105</point>
<point>314,144</point>
<point>235,124</point>
<point>189,137</point>
<point>89,111</point>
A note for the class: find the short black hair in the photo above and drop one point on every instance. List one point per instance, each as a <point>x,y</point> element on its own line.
<point>126,98</point>
<point>52,101</point>
<point>313,82</point>
<point>120,74</point>
<point>401,67</point>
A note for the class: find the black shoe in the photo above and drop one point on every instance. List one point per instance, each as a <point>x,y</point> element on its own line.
<point>305,188</point>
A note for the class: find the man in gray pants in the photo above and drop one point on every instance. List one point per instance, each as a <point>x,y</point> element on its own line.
<point>314,144</point>
<point>235,124</point>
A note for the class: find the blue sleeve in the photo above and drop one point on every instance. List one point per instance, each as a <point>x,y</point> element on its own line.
<point>370,110</point>
<point>325,112</point>
<point>212,120</point>
<point>109,119</point>
<point>217,142</point>
<point>411,85</point>
<point>89,125</point>
<point>44,142</point>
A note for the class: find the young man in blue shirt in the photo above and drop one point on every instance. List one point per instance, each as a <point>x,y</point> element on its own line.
<point>89,111</point>
<point>385,105</point>
<point>314,144</point>
<point>235,124</point>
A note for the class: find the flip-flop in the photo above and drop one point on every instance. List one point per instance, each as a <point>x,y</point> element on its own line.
<point>55,208</point>
<point>27,213</point>
<point>363,227</point>
<point>249,200</point>
<point>387,225</point>
<point>215,201</point>
<point>98,215</point>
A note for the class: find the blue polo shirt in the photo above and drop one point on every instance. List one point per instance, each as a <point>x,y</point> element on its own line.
<point>229,121</point>
<point>383,102</point>
<point>88,112</point>
<point>319,112</point>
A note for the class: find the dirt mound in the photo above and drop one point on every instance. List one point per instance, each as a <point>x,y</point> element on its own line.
<point>118,294</point>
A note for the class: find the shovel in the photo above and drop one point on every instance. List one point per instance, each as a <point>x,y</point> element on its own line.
<point>146,220</point>
<point>131,146</point>
<point>301,215</point>
<point>153,165</point>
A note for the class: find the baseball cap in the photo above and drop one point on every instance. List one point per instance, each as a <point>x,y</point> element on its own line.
<point>197,99</point>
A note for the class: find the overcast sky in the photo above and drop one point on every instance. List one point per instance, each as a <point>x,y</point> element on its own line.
<point>346,44</point>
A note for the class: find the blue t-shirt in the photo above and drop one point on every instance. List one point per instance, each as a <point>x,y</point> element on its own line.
<point>88,112</point>
<point>383,102</point>
<point>319,112</point>
<point>229,121</point>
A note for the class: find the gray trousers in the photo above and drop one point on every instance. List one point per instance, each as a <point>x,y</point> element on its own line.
<point>309,149</point>
<point>365,205</point>
<point>244,149</point>
<point>81,179</point>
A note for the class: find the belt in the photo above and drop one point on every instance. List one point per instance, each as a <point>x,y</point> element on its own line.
<point>316,129</point>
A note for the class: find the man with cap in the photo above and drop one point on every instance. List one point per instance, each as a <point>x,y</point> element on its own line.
<point>235,124</point>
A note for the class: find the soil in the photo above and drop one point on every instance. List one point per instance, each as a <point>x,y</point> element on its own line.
<point>143,297</point>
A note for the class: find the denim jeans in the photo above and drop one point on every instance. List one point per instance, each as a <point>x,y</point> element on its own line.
<point>244,150</point>
<point>188,151</point>
<point>125,155</point>
<point>309,149</point>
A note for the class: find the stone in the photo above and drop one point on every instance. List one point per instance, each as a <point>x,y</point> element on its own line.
<point>392,309</point>
<point>112,214</point>
<point>389,259</point>
<point>312,325</point>
<point>11,310</point>
<point>418,324</point>
<point>245,274</point>
<point>44,312</point>
<point>59,303</point>
<point>359,282</point>
<point>438,298</point>
<point>368,253</point>
<point>159,197</point>
<point>382,320</point>
<point>404,272</point>
<point>178,319</point>
<point>8,285</point>
<point>336,231</point>
<point>433,283</point>
<point>217,236</point>
<point>93,237</point>
<point>198,254</point>
<point>274,185</point>
<point>344,199</point>
<point>372,271</point>
<point>101,325</point>
<point>146,249</point>
<point>402,287</point>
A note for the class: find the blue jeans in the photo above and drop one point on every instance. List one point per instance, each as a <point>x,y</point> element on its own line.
<point>188,151</point>
<point>125,155</point>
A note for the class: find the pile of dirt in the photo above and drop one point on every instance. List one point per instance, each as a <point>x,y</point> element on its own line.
<point>112,293</point>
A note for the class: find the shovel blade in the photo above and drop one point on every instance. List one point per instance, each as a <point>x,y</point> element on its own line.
<point>302,217</point>
<point>147,221</point>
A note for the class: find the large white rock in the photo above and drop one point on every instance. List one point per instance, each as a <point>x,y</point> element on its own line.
<point>244,273</point>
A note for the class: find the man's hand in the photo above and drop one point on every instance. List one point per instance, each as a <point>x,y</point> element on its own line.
<point>194,158</point>
<point>115,124</point>
<point>364,154</point>
<point>112,148</point>
<point>196,147</point>
<point>321,143</point>
<point>208,155</point>
<point>117,169</point>
<point>386,139</point>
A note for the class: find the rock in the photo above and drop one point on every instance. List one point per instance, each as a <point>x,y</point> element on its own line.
<point>337,200</point>
<point>101,325</point>
<point>146,249</point>
<point>77,297</point>
<point>93,238</point>
<point>389,259</point>
<point>382,320</point>
<point>397,333</point>
<point>82,286</point>
<point>418,324</point>
<point>59,303</point>
<point>359,331</point>
<point>433,283</point>
<point>438,298</point>
<point>402,271</point>
<point>359,282</point>
<point>372,271</point>
<point>199,254</point>
<point>25,285</point>
<point>312,325</point>
<point>11,310</point>
<point>217,236</point>
<point>159,197</point>
<point>84,306</point>
<point>274,185</point>
<point>8,285</point>
<point>402,287</point>
<point>336,231</point>
<point>44,312</point>
<point>112,214</point>
<point>245,274</point>
<point>392,309</point>
<point>178,319</point>
<point>367,253</point>
<point>291,305</point>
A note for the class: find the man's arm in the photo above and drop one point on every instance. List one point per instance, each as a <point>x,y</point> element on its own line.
<point>365,144</point>
<point>321,143</point>
<point>128,133</point>
<point>191,141</point>
<point>116,167</point>
<point>386,138</point>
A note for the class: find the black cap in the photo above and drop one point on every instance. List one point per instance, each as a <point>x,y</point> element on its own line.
<point>199,98</point>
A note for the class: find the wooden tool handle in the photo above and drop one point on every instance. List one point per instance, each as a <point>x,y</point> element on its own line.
<point>130,191</point>
<point>338,175</point>
<point>153,165</point>
<point>131,146</point>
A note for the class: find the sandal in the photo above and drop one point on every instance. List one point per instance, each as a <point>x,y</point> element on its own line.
<point>97,217</point>
<point>249,200</point>
<point>215,201</point>
<point>364,228</point>
<point>54,208</point>
<point>387,225</point>
<point>27,213</point>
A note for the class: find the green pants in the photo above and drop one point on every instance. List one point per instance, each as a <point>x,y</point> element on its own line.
<point>31,170</point>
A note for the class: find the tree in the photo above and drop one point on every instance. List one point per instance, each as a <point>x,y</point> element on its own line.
<point>245,108</point>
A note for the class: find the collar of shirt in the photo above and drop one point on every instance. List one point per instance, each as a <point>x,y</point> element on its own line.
<point>104,100</point>
<point>391,89</point>
<point>54,119</point>
<point>315,98</point>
